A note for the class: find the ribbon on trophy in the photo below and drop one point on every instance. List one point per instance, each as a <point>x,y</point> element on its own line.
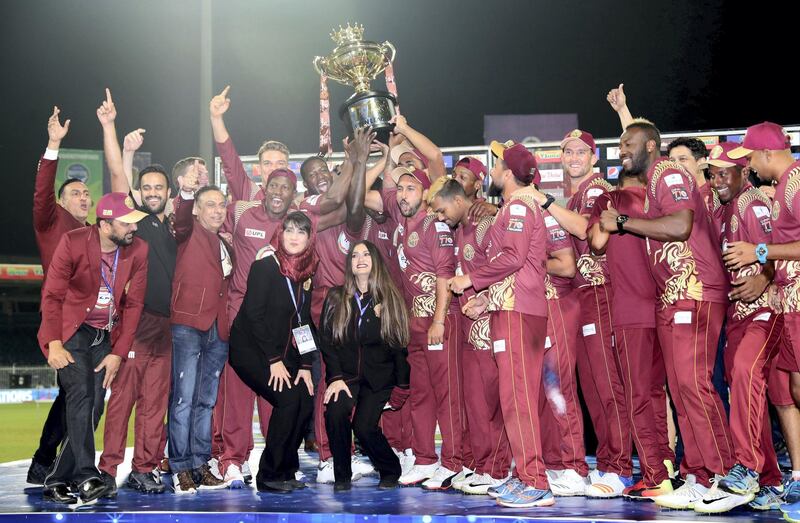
<point>325,146</point>
<point>391,85</point>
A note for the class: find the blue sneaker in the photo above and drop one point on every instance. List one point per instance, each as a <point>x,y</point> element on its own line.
<point>768,498</point>
<point>526,498</point>
<point>509,487</point>
<point>791,512</point>
<point>791,491</point>
<point>740,480</point>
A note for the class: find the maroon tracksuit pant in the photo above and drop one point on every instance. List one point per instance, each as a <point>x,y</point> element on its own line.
<point>518,345</point>
<point>753,343</point>
<point>142,380</point>
<point>436,394</point>
<point>688,331</point>
<point>561,418</point>
<point>601,383</point>
<point>644,377</point>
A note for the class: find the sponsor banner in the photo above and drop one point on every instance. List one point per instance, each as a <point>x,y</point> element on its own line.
<point>795,137</point>
<point>612,172</point>
<point>20,272</point>
<point>737,138</point>
<point>710,141</point>
<point>85,165</point>
<point>612,153</point>
<point>548,156</point>
<point>552,175</point>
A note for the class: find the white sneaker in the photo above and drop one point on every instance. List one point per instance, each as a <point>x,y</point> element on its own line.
<point>609,485</point>
<point>325,471</point>
<point>684,497</point>
<point>213,465</point>
<point>418,474</point>
<point>717,500</point>
<point>233,477</point>
<point>462,478</point>
<point>553,474</point>
<point>299,476</point>
<point>594,476</point>
<point>360,467</point>
<point>442,479</point>
<point>246,473</point>
<point>481,483</point>
<point>567,483</point>
<point>407,461</point>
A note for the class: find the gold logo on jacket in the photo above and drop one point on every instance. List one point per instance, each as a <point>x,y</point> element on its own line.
<point>478,335</point>
<point>469,252</point>
<point>501,294</point>
<point>741,309</point>
<point>683,284</point>
<point>413,239</point>
<point>424,305</point>
<point>591,269</point>
<point>790,291</point>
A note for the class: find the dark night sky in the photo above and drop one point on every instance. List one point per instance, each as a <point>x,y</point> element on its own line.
<point>684,64</point>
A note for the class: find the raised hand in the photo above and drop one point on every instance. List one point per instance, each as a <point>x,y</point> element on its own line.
<point>133,140</point>
<point>396,139</point>
<point>400,123</point>
<point>616,98</point>
<point>191,178</point>
<point>220,103</point>
<point>106,113</point>
<point>360,146</point>
<point>55,131</point>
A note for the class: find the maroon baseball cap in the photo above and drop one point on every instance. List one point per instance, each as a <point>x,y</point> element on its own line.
<point>719,156</point>
<point>474,165</point>
<point>417,174</point>
<point>579,135</point>
<point>118,206</point>
<point>519,159</point>
<point>287,173</point>
<point>403,148</point>
<point>767,135</point>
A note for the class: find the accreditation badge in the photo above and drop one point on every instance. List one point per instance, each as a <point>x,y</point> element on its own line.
<point>304,340</point>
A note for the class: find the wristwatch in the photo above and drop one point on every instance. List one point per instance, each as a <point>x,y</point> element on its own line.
<point>621,219</point>
<point>550,200</point>
<point>761,253</point>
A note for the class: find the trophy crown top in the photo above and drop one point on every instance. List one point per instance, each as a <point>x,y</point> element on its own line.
<point>347,34</point>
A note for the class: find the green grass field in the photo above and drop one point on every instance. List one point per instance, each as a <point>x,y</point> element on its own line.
<point>21,426</point>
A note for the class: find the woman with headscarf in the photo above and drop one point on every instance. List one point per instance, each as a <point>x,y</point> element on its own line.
<point>271,342</point>
<point>364,334</point>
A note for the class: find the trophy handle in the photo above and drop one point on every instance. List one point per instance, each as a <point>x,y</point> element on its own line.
<point>388,46</point>
<point>319,65</point>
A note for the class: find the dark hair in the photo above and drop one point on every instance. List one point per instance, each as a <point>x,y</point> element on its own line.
<point>64,185</point>
<point>451,189</point>
<point>394,314</point>
<point>208,188</point>
<point>154,168</point>
<point>697,147</point>
<point>300,220</point>
<point>649,129</point>
<point>179,169</point>
<point>307,162</point>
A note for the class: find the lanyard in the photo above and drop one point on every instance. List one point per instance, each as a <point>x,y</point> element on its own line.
<point>110,286</point>
<point>361,309</point>
<point>294,300</point>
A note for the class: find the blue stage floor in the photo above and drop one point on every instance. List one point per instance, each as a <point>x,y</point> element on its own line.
<point>318,504</point>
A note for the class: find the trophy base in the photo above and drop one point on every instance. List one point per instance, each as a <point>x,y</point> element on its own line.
<point>373,108</point>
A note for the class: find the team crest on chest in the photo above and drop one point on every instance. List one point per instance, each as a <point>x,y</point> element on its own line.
<point>776,210</point>
<point>343,242</point>
<point>734,224</point>
<point>469,252</point>
<point>413,239</point>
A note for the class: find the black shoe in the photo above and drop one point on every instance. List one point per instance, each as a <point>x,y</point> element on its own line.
<point>91,489</point>
<point>146,482</point>
<point>388,483</point>
<point>341,486</point>
<point>296,484</point>
<point>274,486</point>
<point>110,482</point>
<point>59,494</point>
<point>37,473</point>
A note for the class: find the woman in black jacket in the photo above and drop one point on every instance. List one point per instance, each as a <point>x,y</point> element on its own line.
<point>364,332</point>
<point>268,344</point>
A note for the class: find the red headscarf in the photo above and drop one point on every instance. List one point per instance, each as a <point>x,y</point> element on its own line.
<point>296,267</point>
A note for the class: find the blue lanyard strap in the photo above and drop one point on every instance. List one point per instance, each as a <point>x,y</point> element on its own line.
<point>362,310</point>
<point>294,300</point>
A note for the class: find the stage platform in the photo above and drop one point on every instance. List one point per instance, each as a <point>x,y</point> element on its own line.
<point>318,504</point>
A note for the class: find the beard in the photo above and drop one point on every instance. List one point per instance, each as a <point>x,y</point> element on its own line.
<point>122,241</point>
<point>638,164</point>
<point>412,209</point>
<point>160,206</point>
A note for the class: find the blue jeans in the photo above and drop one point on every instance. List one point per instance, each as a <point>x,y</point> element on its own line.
<point>197,361</point>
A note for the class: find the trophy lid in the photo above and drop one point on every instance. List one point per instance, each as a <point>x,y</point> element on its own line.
<point>348,34</point>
